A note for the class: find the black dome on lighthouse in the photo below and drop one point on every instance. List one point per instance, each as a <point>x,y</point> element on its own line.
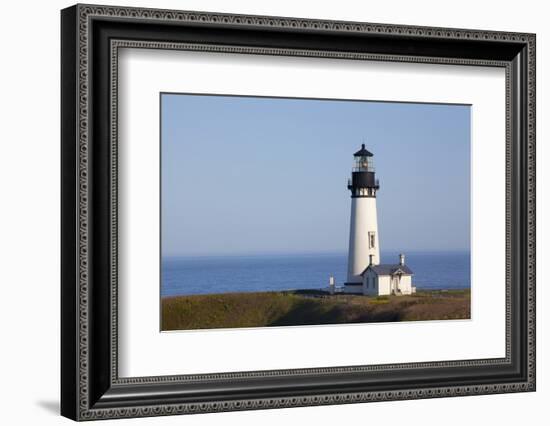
<point>363,152</point>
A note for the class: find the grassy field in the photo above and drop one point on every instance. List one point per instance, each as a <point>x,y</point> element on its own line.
<point>308,308</point>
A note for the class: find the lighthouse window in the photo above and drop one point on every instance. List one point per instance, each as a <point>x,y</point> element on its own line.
<point>371,239</point>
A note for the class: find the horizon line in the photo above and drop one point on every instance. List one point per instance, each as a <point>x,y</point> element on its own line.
<point>320,253</point>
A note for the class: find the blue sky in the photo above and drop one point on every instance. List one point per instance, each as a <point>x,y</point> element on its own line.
<point>244,175</point>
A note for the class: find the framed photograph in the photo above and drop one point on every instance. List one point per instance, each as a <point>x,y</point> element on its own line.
<point>263,212</point>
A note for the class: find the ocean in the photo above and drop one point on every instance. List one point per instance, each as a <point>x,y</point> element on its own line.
<point>228,274</point>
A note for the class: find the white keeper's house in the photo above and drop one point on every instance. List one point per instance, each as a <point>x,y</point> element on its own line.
<point>366,275</point>
<point>388,279</point>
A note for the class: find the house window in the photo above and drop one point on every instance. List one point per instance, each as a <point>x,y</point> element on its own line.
<point>372,239</point>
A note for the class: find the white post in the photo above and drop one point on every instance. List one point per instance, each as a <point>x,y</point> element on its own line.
<point>331,284</point>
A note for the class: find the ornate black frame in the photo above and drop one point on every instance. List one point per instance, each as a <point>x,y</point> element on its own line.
<point>91,37</point>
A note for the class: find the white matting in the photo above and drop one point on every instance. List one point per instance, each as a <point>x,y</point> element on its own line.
<point>144,351</point>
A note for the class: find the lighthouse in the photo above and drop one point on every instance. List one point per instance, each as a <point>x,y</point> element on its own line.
<point>363,238</point>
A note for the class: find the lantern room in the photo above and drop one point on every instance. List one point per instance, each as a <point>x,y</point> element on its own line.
<point>363,160</point>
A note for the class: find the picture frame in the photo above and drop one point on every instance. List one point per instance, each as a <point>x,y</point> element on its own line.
<point>90,384</point>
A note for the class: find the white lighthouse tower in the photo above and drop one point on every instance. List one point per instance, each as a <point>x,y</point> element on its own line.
<point>363,238</point>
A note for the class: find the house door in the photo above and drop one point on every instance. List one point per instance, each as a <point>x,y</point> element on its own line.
<point>395,284</point>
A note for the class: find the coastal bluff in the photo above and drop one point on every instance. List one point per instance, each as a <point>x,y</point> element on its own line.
<point>308,307</point>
